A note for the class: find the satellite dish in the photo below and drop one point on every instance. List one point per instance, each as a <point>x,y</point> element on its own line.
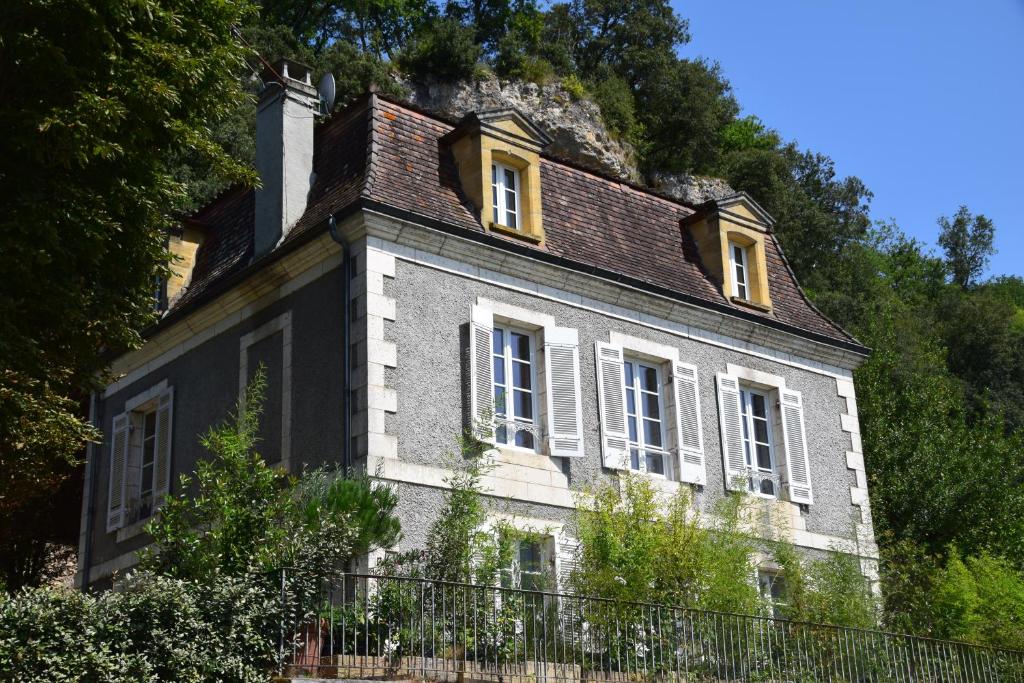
<point>327,92</point>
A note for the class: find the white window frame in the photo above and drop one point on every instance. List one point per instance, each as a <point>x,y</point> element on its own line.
<point>514,570</point>
<point>754,471</point>
<point>499,196</point>
<point>141,416</point>
<point>771,577</point>
<point>640,444</point>
<point>739,267</point>
<point>512,422</point>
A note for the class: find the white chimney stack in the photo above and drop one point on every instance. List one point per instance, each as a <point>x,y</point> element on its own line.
<point>285,115</point>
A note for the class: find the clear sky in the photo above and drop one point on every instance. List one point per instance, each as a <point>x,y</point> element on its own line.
<point>924,101</point>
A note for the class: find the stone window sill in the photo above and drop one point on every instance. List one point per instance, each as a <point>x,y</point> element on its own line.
<point>747,303</point>
<point>513,232</point>
<point>132,530</point>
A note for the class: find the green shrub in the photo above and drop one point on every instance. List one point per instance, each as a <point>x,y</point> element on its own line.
<point>618,109</point>
<point>574,86</point>
<point>828,590</point>
<point>443,50</point>
<point>157,628</point>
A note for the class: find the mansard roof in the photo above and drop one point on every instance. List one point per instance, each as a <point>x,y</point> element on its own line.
<point>393,158</point>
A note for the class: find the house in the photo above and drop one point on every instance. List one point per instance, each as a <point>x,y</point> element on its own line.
<point>402,276</point>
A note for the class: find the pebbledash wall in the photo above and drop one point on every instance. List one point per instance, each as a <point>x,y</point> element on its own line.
<point>427,300</point>
<point>411,299</point>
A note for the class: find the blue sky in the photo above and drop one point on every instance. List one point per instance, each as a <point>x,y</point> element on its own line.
<point>923,101</point>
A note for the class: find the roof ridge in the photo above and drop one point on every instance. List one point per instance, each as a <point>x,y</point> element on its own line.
<point>370,174</point>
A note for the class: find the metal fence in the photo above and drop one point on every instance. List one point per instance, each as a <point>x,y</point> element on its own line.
<point>363,626</point>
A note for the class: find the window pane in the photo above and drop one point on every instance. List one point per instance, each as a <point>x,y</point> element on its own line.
<point>630,402</point>
<point>761,431</point>
<point>501,434</point>
<point>758,405</point>
<point>655,464</point>
<point>524,404</point>
<point>648,378</point>
<point>499,370</point>
<point>768,487</point>
<point>498,341</point>
<point>632,428</point>
<point>520,346</point>
<point>524,439</point>
<point>150,423</point>
<point>652,406</point>
<point>652,433</point>
<point>529,557</point>
<point>510,179</point>
<point>499,400</point>
<point>634,458</point>
<point>627,370</point>
<point>521,375</point>
<point>764,457</point>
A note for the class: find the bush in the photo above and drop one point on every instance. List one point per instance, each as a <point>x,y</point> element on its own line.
<point>618,108</point>
<point>829,590</point>
<point>443,50</point>
<point>158,628</point>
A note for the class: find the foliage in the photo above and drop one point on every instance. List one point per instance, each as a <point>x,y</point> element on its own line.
<point>157,628</point>
<point>967,241</point>
<point>444,50</point>
<point>92,97</point>
<point>243,516</point>
<point>637,546</point>
<point>827,590</point>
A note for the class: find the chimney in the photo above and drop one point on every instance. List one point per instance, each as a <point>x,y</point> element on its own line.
<point>284,150</point>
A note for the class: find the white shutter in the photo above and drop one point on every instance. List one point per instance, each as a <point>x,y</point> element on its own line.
<point>611,395</point>
<point>118,468</point>
<point>730,418</point>
<point>568,559</point>
<point>481,371</point>
<point>798,467</point>
<point>689,439</point>
<point>562,373</point>
<point>164,425</point>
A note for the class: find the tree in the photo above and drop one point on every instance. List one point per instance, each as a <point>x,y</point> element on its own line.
<point>967,241</point>
<point>93,97</point>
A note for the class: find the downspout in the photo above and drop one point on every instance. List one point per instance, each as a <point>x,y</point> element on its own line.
<point>346,372</point>
<point>90,495</point>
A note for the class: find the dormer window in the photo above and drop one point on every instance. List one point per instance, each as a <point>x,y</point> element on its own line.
<point>505,195</point>
<point>741,276</point>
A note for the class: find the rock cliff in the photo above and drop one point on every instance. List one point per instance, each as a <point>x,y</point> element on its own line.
<point>575,125</point>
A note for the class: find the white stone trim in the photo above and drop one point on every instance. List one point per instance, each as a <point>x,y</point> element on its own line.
<point>282,324</point>
<point>372,353</point>
<point>645,347</point>
<point>859,490</point>
<point>766,379</point>
<point>516,313</point>
<point>120,563</point>
<point>144,397</point>
<point>639,303</point>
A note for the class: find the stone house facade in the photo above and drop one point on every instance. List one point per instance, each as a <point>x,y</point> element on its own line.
<point>402,277</point>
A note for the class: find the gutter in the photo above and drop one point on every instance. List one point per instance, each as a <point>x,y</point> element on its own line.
<point>346,371</point>
<point>90,495</point>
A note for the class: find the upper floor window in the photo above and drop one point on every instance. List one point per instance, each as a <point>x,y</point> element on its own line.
<point>140,453</point>
<point>505,195</point>
<point>740,271</point>
<point>645,423</point>
<point>514,353</point>
<point>755,411</point>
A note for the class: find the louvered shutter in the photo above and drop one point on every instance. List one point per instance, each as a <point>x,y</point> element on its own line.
<point>118,467</point>
<point>562,373</point>
<point>689,439</point>
<point>798,467</point>
<point>612,406</point>
<point>568,560</point>
<point>732,432</point>
<point>481,371</point>
<point>164,425</point>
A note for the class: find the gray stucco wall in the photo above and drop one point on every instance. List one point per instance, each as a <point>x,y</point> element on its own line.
<point>434,306</point>
<point>206,382</point>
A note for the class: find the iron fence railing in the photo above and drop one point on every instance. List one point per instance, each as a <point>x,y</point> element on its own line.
<point>361,626</point>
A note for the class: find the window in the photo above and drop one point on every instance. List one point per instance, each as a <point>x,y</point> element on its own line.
<point>757,441</point>
<point>148,461</point>
<point>740,275</point>
<point>514,353</point>
<point>140,457</point>
<point>526,567</point>
<point>505,195</point>
<point>645,422</point>
<point>772,587</point>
